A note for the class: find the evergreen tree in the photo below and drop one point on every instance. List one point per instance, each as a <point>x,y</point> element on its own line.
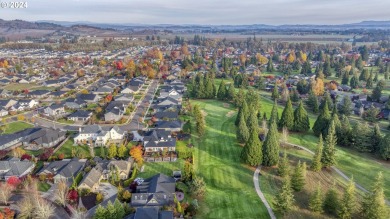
<point>345,79</point>
<point>348,203</point>
<point>370,82</point>
<point>376,77</point>
<point>298,177</point>
<point>261,83</point>
<point>331,202</point>
<point>122,151</point>
<point>376,94</point>
<point>301,119</point>
<point>274,114</point>
<point>316,164</point>
<point>321,124</point>
<point>284,166</point>
<point>242,110</point>
<point>326,69</point>
<point>270,66</point>
<point>242,130</point>
<point>316,201</point>
<point>252,154</point>
<point>230,93</point>
<point>344,136</point>
<point>354,82</point>
<point>252,122</point>
<point>209,89</point>
<point>287,119</point>
<point>112,151</point>
<point>271,147</point>
<point>328,157</point>
<point>326,99</point>
<point>384,147</point>
<point>294,95</point>
<point>284,200</point>
<point>376,138</point>
<point>100,213</point>
<point>221,95</point>
<point>361,137</point>
<point>374,205</point>
<point>312,102</point>
<point>119,209</point>
<point>275,93</point>
<point>336,120</point>
<point>346,107</point>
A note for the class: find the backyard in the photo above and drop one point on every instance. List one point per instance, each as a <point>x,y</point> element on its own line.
<point>16,126</point>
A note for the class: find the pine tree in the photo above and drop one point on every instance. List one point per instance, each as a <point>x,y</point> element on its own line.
<point>221,95</point>
<point>231,93</point>
<point>316,164</point>
<point>274,114</point>
<point>283,166</point>
<point>287,119</point>
<point>328,157</point>
<point>348,203</point>
<point>376,138</point>
<point>316,201</point>
<point>312,102</point>
<point>209,90</point>
<point>376,94</point>
<point>321,124</point>
<point>252,122</point>
<point>275,93</point>
<point>242,130</point>
<point>331,202</point>
<point>326,99</point>
<point>361,137</point>
<point>252,154</point>
<point>301,119</point>
<point>376,77</point>
<point>122,151</point>
<point>346,107</point>
<point>112,151</point>
<point>100,213</point>
<point>242,110</point>
<point>119,209</point>
<point>384,147</point>
<point>284,200</point>
<point>298,177</point>
<point>344,137</point>
<point>270,66</point>
<point>271,147</point>
<point>370,82</point>
<point>354,82</point>
<point>345,79</point>
<point>374,205</point>
<point>336,120</point>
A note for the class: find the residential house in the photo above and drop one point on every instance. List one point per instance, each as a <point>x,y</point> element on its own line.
<point>28,104</point>
<point>156,191</point>
<point>73,103</point>
<point>89,98</point>
<point>45,137</point>
<point>80,115</point>
<point>151,213</point>
<point>8,103</point>
<point>157,140</point>
<point>173,126</point>
<point>15,168</point>
<point>166,116</point>
<point>99,135</point>
<point>57,94</point>
<point>122,166</point>
<point>125,98</point>
<point>55,110</point>
<point>91,180</point>
<point>38,93</point>
<point>4,93</point>
<point>3,112</point>
<point>63,170</point>
<point>114,111</point>
<point>15,139</point>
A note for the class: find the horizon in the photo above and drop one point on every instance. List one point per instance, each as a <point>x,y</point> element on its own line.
<point>202,12</point>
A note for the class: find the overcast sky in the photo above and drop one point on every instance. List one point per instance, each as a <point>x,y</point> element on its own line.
<point>203,11</point>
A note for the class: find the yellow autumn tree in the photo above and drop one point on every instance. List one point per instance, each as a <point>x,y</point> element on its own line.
<point>291,57</point>
<point>242,59</point>
<point>261,59</point>
<point>303,56</point>
<point>103,62</point>
<point>318,88</point>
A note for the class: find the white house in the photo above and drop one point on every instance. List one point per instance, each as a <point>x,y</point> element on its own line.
<point>99,135</point>
<point>54,110</point>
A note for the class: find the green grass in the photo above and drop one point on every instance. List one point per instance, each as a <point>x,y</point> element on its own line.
<point>16,126</point>
<point>92,106</point>
<point>230,189</point>
<point>167,168</point>
<point>35,153</point>
<point>66,149</point>
<point>43,186</point>
<point>363,167</point>
<point>63,120</point>
<point>17,86</point>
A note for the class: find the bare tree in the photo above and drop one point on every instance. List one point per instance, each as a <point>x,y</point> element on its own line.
<point>26,206</point>
<point>61,193</point>
<point>5,192</point>
<point>284,136</point>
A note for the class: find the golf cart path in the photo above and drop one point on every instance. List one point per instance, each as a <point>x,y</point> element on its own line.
<point>260,193</point>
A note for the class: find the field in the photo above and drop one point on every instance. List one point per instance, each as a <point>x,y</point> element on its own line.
<point>16,126</point>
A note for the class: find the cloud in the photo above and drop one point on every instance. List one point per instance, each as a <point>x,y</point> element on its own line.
<point>203,11</point>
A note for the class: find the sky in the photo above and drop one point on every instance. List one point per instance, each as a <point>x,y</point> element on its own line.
<point>214,12</point>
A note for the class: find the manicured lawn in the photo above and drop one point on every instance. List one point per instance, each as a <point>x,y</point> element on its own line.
<point>63,120</point>
<point>43,187</point>
<point>166,168</point>
<point>17,86</point>
<point>80,150</point>
<point>16,126</point>
<point>230,189</point>
<point>362,167</point>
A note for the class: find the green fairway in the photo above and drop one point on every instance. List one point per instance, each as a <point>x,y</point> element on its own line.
<point>230,189</point>
<point>16,126</point>
<point>362,167</point>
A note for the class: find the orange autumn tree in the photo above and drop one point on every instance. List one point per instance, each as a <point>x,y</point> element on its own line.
<point>136,153</point>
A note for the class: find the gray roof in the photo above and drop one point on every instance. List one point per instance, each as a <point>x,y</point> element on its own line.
<point>14,167</point>
<point>169,124</point>
<point>45,136</point>
<point>80,114</point>
<point>5,139</point>
<point>65,168</point>
<point>159,183</point>
<point>92,177</point>
<point>152,213</point>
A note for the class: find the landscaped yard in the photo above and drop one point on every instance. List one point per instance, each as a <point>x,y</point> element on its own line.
<point>63,120</point>
<point>43,186</point>
<point>16,126</point>
<point>17,86</point>
<point>80,150</point>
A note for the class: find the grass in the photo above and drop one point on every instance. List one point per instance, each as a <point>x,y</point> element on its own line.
<point>66,149</point>
<point>17,86</point>
<point>43,186</point>
<point>230,189</point>
<point>166,168</point>
<point>16,126</point>
<point>63,120</point>
<point>363,167</point>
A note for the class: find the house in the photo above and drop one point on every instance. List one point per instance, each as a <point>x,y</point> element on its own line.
<point>80,115</point>
<point>91,180</point>
<point>122,166</point>
<point>57,94</point>
<point>45,137</point>
<point>100,136</point>
<point>129,90</point>
<point>52,83</point>
<point>14,139</point>
<point>6,104</point>
<point>38,93</point>
<point>22,81</point>
<point>73,103</point>
<point>156,191</point>
<point>157,140</point>
<point>89,98</point>
<point>4,93</point>
<point>29,104</point>
<point>54,110</point>
<point>166,116</point>
<point>173,126</point>
<point>63,170</point>
<point>124,98</point>
<point>152,213</point>
<point>3,112</point>
<point>114,111</point>
<point>4,81</point>
<point>15,168</point>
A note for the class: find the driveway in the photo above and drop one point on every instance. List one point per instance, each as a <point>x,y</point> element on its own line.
<point>107,190</point>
